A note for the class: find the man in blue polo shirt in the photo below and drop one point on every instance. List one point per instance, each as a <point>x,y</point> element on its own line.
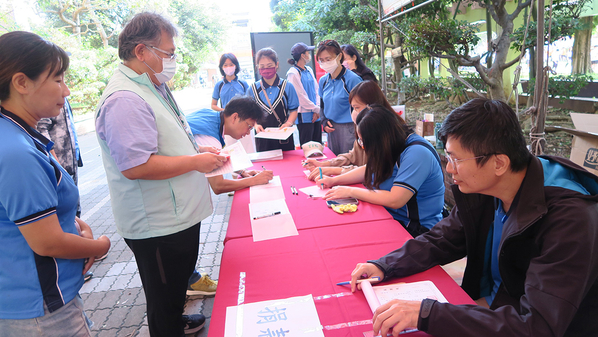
<point>236,120</point>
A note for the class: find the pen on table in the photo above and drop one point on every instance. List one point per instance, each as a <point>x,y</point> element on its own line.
<point>375,278</point>
<point>266,216</point>
<point>322,184</point>
<point>295,189</point>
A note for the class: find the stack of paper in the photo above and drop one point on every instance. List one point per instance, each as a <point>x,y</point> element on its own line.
<point>266,155</point>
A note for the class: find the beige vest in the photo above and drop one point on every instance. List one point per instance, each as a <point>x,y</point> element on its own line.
<point>150,208</point>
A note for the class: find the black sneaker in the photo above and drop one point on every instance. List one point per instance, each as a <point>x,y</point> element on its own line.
<point>193,323</point>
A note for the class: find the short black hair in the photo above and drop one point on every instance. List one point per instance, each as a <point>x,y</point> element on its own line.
<point>28,53</point>
<point>485,127</point>
<point>245,107</point>
<point>233,59</point>
<point>383,137</point>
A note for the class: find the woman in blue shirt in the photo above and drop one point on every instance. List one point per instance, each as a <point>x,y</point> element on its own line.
<point>44,248</point>
<point>303,79</point>
<point>402,173</point>
<point>230,85</point>
<point>277,98</point>
<point>334,89</point>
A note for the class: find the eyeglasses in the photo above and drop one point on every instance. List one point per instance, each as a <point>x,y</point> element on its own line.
<point>249,125</point>
<point>171,56</point>
<point>455,161</point>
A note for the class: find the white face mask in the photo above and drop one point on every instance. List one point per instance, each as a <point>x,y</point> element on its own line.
<point>168,69</point>
<point>329,66</point>
<point>306,58</point>
<point>229,71</point>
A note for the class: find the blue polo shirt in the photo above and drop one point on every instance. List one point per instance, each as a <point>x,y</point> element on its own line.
<point>225,90</point>
<point>33,186</point>
<point>420,172</point>
<point>290,98</point>
<point>335,95</point>
<point>206,122</point>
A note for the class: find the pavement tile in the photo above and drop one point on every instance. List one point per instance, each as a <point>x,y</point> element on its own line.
<point>135,281</point>
<point>110,299</point>
<point>105,283</point>
<point>92,300</point>
<point>116,269</point>
<point>135,316</point>
<point>117,317</point>
<point>98,317</point>
<point>121,282</point>
<point>129,296</point>
<point>90,285</point>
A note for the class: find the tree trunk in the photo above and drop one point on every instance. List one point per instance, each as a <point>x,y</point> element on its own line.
<point>581,48</point>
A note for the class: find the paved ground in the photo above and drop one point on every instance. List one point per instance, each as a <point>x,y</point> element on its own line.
<point>114,299</point>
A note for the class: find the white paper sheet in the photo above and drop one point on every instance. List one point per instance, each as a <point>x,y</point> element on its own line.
<point>276,133</point>
<point>270,191</point>
<point>238,160</point>
<point>271,220</point>
<point>294,316</point>
<point>314,191</point>
<point>414,291</point>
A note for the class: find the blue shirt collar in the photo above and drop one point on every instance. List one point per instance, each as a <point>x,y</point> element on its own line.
<point>33,133</point>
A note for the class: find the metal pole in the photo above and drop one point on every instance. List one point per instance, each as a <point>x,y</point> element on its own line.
<point>540,101</point>
<point>539,53</point>
<point>403,12</point>
<point>382,61</point>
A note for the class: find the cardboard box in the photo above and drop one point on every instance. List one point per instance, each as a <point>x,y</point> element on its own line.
<point>584,148</point>
<point>424,128</point>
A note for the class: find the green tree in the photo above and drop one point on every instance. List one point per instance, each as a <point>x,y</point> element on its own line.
<point>202,28</point>
<point>347,21</point>
<point>89,29</point>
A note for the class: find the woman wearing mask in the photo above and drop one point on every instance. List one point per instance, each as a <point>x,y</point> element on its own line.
<point>334,89</point>
<point>303,79</point>
<point>402,172</point>
<point>354,62</point>
<point>364,94</point>
<point>277,97</point>
<point>44,248</point>
<point>230,85</point>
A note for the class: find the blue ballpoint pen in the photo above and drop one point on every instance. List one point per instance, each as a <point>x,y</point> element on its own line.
<point>322,184</point>
<point>375,278</point>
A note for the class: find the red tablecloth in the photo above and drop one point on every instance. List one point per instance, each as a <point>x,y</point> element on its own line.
<point>312,263</point>
<point>306,212</point>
